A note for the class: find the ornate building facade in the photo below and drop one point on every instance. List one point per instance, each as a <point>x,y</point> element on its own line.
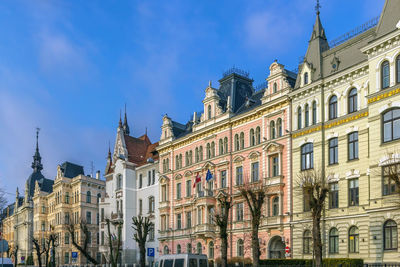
<point>74,199</point>
<point>346,124</point>
<point>242,138</point>
<point>131,190</point>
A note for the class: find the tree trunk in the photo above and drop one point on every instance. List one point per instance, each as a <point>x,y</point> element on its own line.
<point>317,243</point>
<point>224,248</point>
<point>255,244</point>
<point>142,249</point>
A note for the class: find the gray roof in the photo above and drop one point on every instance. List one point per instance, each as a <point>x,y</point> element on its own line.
<point>71,170</point>
<point>390,16</point>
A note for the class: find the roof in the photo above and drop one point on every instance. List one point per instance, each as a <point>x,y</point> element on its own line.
<point>140,149</point>
<point>71,170</point>
<point>45,184</point>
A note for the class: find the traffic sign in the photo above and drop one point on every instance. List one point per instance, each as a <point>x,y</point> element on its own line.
<point>287,249</point>
<point>74,255</point>
<point>150,252</point>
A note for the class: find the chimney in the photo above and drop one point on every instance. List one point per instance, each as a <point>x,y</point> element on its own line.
<point>98,175</point>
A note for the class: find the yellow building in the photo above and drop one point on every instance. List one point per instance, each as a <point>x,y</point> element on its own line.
<point>74,198</point>
<point>346,121</point>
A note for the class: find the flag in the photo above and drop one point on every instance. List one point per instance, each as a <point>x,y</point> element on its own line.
<point>196,180</point>
<point>209,176</point>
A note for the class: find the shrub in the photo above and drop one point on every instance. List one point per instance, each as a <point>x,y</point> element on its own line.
<point>29,260</point>
<point>308,262</point>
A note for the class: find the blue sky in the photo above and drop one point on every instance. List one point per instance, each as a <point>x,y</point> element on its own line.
<point>69,67</point>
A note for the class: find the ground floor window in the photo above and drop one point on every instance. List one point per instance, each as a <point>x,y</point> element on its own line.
<point>333,241</point>
<point>353,240</point>
<point>390,235</point>
<point>307,242</point>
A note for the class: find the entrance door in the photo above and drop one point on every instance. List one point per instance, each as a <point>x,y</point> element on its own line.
<point>276,248</point>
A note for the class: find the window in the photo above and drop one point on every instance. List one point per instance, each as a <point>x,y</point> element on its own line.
<point>353,192</point>
<point>140,180</point>
<point>151,234</point>
<point>151,204</point>
<point>390,235</point>
<point>199,219</point>
<point>272,129</point>
<point>166,251</point>
<point>252,138</point>
<point>305,78</point>
<point>102,238</point>
<point>209,111</point>
<point>333,195</point>
<point>307,242</point>
<point>189,248</point>
<point>211,250</point>
<point>188,188</point>
<point>66,238</point>
<point>279,127</point>
<point>254,172</point>
<point>164,192</point>
<point>307,156</point>
<point>333,241</point>
<point>98,198</point>
<point>201,153</point>
<point>188,219</point>
<point>179,221</point>
<point>388,173</point>
<point>275,87</point>
<point>88,217</point>
<point>226,145</point>
<point>196,155</point>
<point>314,112</point>
<point>212,149</point>
<point>240,248</point>
<point>223,179</point>
<point>353,240</point>
<point>352,101</point>
<point>306,200</point>
<point>140,206</point>
<point>299,118</point>
<point>119,181</point>
<point>66,258</point>
<point>88,197</point>
<point>66,201</point>
<point>385,74</point>
<point>178,250</point>
<point>208,148</point>
<point>306,116</point>
<point>178,191</point>
<point>239,175</point>
<point>353,145</point>
<point>148,178</point>
<point>221,147</point>
<point>275,206</point>
<point>333,151</point>
<point>199,248</point>
<point>241,140</point>
<point>239,212</point>
<point>177,162</point>
<point>180,161</point>
<point>237,144</point>
<point>391,125</point>
<point>333,107</point>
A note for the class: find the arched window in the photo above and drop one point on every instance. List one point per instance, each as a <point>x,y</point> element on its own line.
<point>199,248</point>
<point>177,162</point>
<point>240,248</point>
<point>333,241</point>
<point>272,129</point>
<point>190,158</point>
<point>307,156</point>
<point>209,111</point>
<point>353,240</point>
<point>221,146</point>
<point>275,87</point>
<point>226,145</point>
<point>189,248</point>
<point>314,112</point>
<point>258,135</point>
<point>252,137</point>
<point>119,181</point>
<point>333,107</point>
<point>98,197</point>
<point>237,144</point>
<point>390,235</point>
<point>178,249</point>
<point>275,206</point>
<point>208,149</point>
<point>151,204</point>
<point>398,69</point>
<point>299,118</point>
<point>352,101</point>
<point>180,161</point>
<point>201,153</point>
<point>279,127</point>
<point>196,155</point>
<point>305,78</point>
<point>385,74</point>
<point>88,197</point>
<point>391,125</point>
<point>212,149</point>
<point>211,250</point>
<point>307,242</point>
<point>241,140</point>
<point>186,158</point>
<point>306,116</point>
<point>165,250</point>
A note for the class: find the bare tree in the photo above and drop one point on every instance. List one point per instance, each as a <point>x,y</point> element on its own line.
<point>221,219</point>
<point>114,245</point>
<point>39,249</point>
<point>14,254</point>
<point>315,192</point>
<point>83,226</point>
<point>53,243</point>
<point>254,194</point>
<point>142,227</point>
<point>3,200</point>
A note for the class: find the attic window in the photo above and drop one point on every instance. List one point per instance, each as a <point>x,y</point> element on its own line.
<point>305,78</point>
<point>209,112</point>
<point>275,87</point>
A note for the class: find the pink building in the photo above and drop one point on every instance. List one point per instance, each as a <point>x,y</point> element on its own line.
<point>242,136</point>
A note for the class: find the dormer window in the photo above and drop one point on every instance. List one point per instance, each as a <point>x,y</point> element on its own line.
<point>209,111</point>
<point>305,78</point>
<point>275,87</point>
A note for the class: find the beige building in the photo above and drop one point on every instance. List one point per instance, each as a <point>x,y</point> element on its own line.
<point>346,121</point>
<point>74,197</point>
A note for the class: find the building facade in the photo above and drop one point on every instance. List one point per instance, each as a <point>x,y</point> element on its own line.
<point>242,138</point>
<point>74,199</point>
<point>346,125</point>
<point>131,190</point>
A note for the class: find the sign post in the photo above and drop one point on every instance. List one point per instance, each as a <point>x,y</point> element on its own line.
<point>3,248</point>
<point>150,255</point>
<point>287,251</point>
<point>74,256</point>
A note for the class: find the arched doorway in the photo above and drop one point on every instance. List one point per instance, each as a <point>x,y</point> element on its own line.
<point>276,248</point>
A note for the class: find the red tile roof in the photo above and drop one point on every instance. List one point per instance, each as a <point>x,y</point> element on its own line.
<point>140,149</point>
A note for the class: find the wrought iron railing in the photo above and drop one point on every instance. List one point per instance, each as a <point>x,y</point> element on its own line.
<point>236,71</point>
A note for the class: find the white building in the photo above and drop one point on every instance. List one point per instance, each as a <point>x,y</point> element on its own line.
<point>131,190</point>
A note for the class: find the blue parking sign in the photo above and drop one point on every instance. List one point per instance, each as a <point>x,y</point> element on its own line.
<point>150,252</point>
<point>74,255</point>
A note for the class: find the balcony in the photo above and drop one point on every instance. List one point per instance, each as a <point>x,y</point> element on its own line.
<point>118,216</point>
<point>205,197</point>
<point>205,230</point>
<point>164,204</point>
<point>273,181</point>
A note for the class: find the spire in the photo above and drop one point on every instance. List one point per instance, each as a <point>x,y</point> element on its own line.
<point>37,159</point>
<point>125,126</point>
<point>318,30</point>
<point>109,151</point>
<point>120,120</point>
